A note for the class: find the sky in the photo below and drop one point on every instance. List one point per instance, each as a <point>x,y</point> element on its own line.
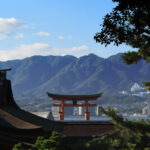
<point>53,27</point>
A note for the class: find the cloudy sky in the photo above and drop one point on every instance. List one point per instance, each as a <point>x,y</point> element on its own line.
<point>52,27</point>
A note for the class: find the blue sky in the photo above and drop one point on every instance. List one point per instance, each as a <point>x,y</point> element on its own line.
<point>53,27</point>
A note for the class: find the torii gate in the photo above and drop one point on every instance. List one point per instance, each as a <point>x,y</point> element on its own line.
<point>74,98</point>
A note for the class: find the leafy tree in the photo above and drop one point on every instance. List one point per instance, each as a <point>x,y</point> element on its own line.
<point>54,142</point>
<point>129,135</point>
<point>18,146</point>
<point>135,133</point>
<point>129,23</point>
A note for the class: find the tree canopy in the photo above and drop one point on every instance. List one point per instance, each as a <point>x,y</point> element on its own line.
<point>128,135</point>
<point>129,23</point>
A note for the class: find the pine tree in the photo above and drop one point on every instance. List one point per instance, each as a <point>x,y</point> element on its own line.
<point>129,23</point>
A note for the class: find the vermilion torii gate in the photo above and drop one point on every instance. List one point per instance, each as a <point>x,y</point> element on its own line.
<point>74,98</point>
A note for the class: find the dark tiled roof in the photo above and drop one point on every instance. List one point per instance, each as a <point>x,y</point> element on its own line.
<point>17,125</point>
<point>12,117</point>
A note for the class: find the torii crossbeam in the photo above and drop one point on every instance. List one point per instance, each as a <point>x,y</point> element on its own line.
<point>74,98</point>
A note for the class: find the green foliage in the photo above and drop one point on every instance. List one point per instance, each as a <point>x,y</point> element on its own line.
<point>131,58</point>
<point>129,23</point>
<point>52,143</point>
<point>114,142</point>
<point>129,135</point>
<point>18,146</point>
<point>141,125</point>
<point>147,85</point>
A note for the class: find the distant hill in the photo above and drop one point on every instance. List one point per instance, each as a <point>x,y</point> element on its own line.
<point>34,76</point>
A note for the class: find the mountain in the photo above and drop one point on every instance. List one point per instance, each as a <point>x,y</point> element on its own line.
<point>34,76</point>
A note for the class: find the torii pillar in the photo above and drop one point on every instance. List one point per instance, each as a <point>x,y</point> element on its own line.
<point>61,113</point>
<point>87,114</point>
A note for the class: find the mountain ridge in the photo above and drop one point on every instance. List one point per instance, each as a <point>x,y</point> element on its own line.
<point>36,75</point>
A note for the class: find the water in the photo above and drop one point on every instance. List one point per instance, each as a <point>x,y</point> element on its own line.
<point>99,118</point>
<point>138,117</point>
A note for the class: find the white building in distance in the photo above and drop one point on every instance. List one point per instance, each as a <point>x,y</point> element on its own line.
<point>45,114</point>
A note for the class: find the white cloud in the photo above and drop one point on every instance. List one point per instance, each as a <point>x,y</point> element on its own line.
<point>37,49</point>
<point>19,36</point>
<point>75,49</point>
<point>43,34</point>
<point>61,37</point>
<point>8,26</point>
<point>24,51</point>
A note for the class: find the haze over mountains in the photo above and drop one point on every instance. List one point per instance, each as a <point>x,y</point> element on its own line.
<point>34,76</point>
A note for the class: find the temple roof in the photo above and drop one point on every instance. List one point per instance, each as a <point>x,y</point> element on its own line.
<point>74,97</point>
<point>7,69</point>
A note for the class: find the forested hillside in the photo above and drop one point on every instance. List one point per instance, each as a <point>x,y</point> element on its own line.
<point>34,76</point>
